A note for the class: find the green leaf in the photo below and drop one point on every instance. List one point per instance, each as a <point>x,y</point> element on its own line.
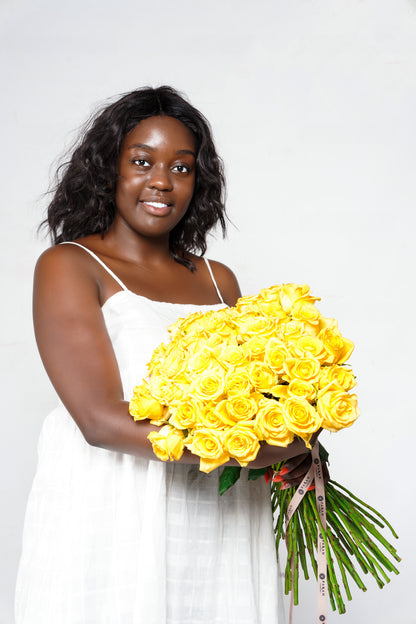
<point>255,473</point>
<point>323,453</point>
<point>228,477</point>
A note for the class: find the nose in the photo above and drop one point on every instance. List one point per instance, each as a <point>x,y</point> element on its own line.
<point>160,179</point>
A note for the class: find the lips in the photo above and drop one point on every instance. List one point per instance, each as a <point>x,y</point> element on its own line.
<point>156,207</point>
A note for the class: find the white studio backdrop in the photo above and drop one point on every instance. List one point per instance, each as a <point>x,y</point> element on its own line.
<point>312,105</point>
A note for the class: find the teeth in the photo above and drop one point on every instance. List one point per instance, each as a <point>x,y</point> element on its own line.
<point>156,204</point>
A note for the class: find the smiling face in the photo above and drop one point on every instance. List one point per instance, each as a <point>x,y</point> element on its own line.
<point>156,177</point>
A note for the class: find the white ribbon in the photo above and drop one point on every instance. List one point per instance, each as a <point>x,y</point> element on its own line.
<point>314,474</point>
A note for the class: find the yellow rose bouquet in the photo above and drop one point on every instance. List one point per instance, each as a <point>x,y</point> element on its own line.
<point>262,372</point>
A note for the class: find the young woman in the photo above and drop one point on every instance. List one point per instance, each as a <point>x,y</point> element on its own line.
<point>112,535</point>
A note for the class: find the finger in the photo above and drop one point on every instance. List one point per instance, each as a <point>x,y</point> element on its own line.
<point>293,463</point>
<point>295,477</point>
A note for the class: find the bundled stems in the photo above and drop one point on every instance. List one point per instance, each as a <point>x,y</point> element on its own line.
<point>352,537</point>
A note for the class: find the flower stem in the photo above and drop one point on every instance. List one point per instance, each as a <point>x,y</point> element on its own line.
<point>377,513</point>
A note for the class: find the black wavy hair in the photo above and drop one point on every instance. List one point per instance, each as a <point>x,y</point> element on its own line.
<point>84,195</point>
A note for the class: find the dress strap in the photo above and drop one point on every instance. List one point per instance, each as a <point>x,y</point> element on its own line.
<point>213,280</point>
<point>113,275</point>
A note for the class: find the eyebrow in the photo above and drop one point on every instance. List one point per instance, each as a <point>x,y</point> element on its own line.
<point>151,149</point>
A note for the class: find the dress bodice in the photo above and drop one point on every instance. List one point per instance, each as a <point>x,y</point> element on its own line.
<point>136,326</point>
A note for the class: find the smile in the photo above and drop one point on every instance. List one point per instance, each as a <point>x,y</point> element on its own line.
<point>156,204</point>
<point>156,208</point>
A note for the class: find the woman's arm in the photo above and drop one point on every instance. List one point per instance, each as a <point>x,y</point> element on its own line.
<point>78,355</point>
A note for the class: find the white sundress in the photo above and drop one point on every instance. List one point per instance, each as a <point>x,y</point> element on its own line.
<point>110,538</point>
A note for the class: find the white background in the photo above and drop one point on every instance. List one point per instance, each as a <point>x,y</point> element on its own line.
<point>312,104</point>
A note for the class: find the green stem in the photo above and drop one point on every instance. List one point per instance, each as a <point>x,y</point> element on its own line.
<point>349,504</point>
<point>344,560</point>
<point>279,528</point>
<point>301,544</point>
<point>308,538</point>
<point>377,513</point>
<point>338,520</point>
<point>362,523</point>
<point>295,579</point>
<point>361,537</point>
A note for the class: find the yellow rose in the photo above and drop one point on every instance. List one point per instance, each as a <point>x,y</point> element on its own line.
<point>301,418</point>
<point>144,405</point>
<point>167,391</point>
<point>157,358</point>
<point>261,376</point>
<point>237,382</point>
<point>291,330</point>
<point>188,327</point>
<point>254,347</point>
<point>208,385</point>
<point>270,424</point>
<point>271,294</point>
<point>251,325</point>
<point>290,293</point>
<point>175,442</point>
<point>236,409</point>
<point>338,409</point>
<point>304,310</point>
<point>341,375</point>
<point>234,355</point>
<point>184,416</point>
<point>219,323</point>
<point>305,368</point>
<point>173,364</point>
<point>208,445</point>
<point>163,420</point>
<point>213,341</point>
<point>276,354</point>
<point>208,417</point>
<point>167,443</point>
<point>247,304</point>
<point>200,359</point>
<point>297,388</point>
<point>271,308</point>
<point>242,443</point>
<point>339,348</point>
<point>312,346</point>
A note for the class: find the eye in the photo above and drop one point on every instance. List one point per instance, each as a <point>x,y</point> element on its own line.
<point>141,162</point>
<point>182,168</point>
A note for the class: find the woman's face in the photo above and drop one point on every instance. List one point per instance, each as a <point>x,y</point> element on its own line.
<point>156,176</point>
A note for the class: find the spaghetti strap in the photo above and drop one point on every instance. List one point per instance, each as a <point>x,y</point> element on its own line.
<point>113,275</point>
<point>213,280</point>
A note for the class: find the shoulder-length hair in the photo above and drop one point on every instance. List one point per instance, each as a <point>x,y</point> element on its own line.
<point>84,195</point>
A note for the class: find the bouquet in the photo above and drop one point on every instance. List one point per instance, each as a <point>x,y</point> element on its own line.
<point>262,372</point>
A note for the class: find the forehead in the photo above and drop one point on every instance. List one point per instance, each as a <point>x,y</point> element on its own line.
<point>161,132</point>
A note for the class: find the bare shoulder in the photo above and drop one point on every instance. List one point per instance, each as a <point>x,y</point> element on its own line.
<point>64,270</point>
<point>226,281</point>
<point>57,258</point>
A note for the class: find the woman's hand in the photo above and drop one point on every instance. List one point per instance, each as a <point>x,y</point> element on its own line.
<point>295,469</point>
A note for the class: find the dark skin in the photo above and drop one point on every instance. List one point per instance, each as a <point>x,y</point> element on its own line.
<point>155,187</point>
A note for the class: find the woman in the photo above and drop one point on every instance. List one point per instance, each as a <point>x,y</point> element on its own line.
<point>111,533</point>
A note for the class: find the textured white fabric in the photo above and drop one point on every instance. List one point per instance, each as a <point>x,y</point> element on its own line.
<point>114,539</point>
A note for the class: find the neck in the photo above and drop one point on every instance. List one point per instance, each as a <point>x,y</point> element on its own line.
<point>131,246</point>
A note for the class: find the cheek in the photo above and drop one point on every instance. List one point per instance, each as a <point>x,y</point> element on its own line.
<point>188,192</point>
<point>126,190</point>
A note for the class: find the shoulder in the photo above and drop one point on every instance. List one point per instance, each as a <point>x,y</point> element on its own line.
<point>226,282</point>
<point>67,257</point>
<point>65,269</point>
<point>59,260</point>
